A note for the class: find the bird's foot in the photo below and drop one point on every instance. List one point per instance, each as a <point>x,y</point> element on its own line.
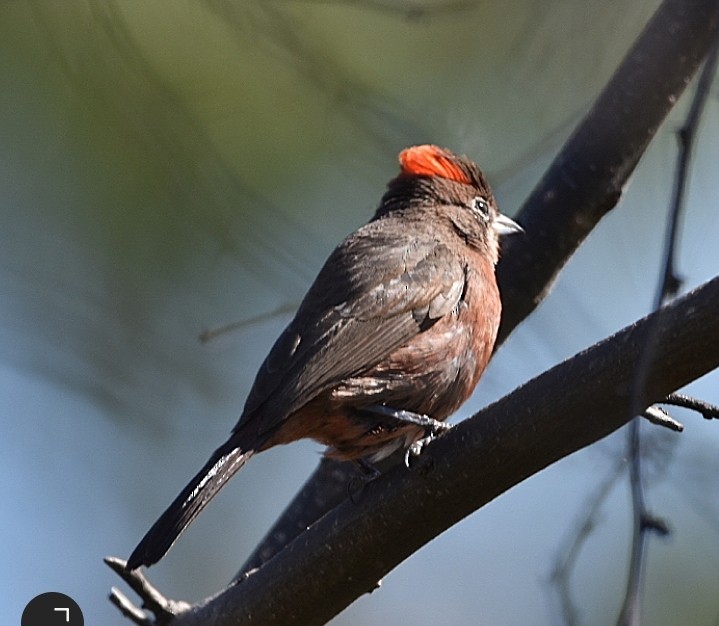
<point>408,417</point>
<point>415,449</point>
<point>431,426</point>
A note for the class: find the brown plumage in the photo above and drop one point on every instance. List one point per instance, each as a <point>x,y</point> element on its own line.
<point>403,316</point>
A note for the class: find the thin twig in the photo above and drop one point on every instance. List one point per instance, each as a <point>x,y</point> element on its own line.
<point>164,609</point>
<point>669,285</point>
<point>210,334</point>
<point>659,417</point>
<point>568,555</point>
<point>708,411</point>
<point>407,10</point>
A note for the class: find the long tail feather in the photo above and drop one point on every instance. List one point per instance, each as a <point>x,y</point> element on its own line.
<point>226,461</point>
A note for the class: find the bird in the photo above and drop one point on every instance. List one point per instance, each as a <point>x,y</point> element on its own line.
<point>390,339</point>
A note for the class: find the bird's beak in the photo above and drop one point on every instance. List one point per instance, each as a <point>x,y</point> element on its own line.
<point>505,226</point>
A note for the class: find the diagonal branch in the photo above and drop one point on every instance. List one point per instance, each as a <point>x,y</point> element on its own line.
<point>568,407</point>
<point>586,179</point>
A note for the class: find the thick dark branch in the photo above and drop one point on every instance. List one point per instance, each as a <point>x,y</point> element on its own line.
<point>586,179</point>
<point>571,406</point>
<point>581,186</point>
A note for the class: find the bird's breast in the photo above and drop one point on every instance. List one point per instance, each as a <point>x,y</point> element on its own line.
<point>437,370</point>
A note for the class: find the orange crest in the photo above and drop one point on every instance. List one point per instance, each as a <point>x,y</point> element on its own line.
<point>431,160</point>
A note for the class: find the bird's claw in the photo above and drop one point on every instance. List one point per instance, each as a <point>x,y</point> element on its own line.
<point>415,448</point>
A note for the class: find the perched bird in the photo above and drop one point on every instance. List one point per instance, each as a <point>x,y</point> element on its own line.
<point>390,339</point>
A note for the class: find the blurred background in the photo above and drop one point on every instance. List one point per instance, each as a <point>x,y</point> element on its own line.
<point>168,168</point>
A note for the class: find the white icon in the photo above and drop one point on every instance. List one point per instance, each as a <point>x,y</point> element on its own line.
<point>67,612</point>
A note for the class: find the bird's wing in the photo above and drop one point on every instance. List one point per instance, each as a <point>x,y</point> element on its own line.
<point>375,293</point>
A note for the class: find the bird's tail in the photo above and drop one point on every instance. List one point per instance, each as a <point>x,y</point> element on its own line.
<point>227,460</point>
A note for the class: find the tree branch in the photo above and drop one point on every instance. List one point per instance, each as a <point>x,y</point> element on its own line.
<point>568,407</point>
<point>586,179</point>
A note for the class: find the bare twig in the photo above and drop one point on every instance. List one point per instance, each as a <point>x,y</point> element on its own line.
<point>568,555</point>
<point>708,411</point>
<point>669,285</point>
<point>659,417</point>
<point>407,9</point>
<point>211,334</point>
<point>671,282</point>
<point>163,609</point>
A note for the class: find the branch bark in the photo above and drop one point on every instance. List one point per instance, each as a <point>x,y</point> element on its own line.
<point>568,407</point>
<point>586,179</point>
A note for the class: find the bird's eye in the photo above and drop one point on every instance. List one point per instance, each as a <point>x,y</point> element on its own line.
<point>480,206</point>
